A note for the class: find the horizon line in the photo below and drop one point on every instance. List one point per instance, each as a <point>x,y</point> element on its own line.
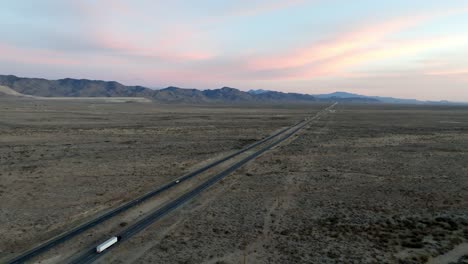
<point>239,89</point>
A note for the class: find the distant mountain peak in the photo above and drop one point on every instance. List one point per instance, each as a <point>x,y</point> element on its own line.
<point>95,88</point>
<point>340,94</point>
<point>258,91</point>
<point>225,88</point>
<point>171,88</point>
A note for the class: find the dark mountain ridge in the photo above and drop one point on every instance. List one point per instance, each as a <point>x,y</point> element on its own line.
<point>95,88</point>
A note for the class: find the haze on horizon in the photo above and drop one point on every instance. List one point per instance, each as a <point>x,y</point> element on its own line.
<point>407,49</point>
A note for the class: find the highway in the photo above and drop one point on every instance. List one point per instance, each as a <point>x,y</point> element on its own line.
<point>91,255</point>
<point>106,216</point>
<point>53,242</point>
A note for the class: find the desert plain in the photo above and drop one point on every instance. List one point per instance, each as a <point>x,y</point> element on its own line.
<point>365,183</point>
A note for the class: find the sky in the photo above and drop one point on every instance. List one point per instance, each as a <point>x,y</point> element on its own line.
<point>400,48</point>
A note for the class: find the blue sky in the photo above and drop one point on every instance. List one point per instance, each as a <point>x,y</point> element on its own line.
<point>411,49</point>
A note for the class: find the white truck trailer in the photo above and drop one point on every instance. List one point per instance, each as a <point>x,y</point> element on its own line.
<point>106,244</point>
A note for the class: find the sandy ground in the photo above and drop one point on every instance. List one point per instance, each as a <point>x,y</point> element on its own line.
<point>365,184</point>
<point>64,162</point>
<point>10,92</point>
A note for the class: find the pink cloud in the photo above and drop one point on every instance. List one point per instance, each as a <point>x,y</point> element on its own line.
<point>172,43</point>
<point>269,6</point>
<point>342,63</point>
<point>398,49</point>
<point>56,58</point>
<point>150,48</point>
<point>358,39</point>
<point>34,56</point>
<point>93,9</point>
<point>250,9</point>
<point>362,45</point>
<point>462,71</point>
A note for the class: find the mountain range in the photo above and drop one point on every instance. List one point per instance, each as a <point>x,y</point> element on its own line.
<point>93,88</point>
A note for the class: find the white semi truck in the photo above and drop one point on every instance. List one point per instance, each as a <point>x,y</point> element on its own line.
<point>106,244</point>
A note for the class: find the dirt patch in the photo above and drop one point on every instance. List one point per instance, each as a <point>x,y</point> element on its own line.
<point>367,184</point>
<point>10,92</point>
<point>65,162</point>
